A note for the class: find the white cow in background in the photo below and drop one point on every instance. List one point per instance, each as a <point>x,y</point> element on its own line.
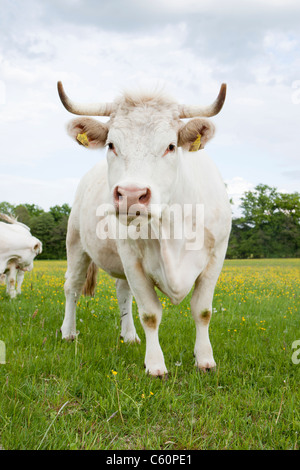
<point>153,163</point>
<point>18,248</point>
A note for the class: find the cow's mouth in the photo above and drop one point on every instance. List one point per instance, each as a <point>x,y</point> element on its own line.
<point>141,215</point>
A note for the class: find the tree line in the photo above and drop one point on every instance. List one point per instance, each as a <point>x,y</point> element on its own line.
<point>269,226</point>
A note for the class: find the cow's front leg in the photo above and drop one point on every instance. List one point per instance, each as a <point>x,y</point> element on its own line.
<point>78,262</point>
<point>201,307</point>
<point>20,279</point>
<point>7,282</point>
<point>150,312</point>
<point>124,296</point>
<point>202,310</point>
<point>154,358</point>
<point>11,281</point>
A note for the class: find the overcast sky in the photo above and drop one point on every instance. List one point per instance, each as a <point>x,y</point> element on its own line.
<point>99,47</point>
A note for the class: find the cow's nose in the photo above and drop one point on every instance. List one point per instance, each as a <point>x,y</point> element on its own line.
<point>124,198</point>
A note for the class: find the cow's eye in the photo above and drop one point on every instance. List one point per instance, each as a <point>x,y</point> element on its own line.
<point>170,148</point>
<point>112,147</point>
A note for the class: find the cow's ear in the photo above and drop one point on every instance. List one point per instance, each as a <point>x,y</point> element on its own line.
<point>195,134</point>
<point>88,132</point>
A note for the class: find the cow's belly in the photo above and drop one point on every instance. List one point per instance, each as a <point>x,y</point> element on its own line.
<point>108,259</point>
<point>105,255</point>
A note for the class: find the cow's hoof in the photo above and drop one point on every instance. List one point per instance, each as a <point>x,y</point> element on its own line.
<point>69,336</point>
<point>206,366</point>
<point>131,338</point>
<point>207,369</point>
<point>160,372</point>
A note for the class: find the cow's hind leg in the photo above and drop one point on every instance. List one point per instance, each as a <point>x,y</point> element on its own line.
<point>124,296</point>
<point>78,262</point>
<point>201,307</point>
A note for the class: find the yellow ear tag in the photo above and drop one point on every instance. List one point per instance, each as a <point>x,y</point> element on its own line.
<point>82,138</point>
<point>196,144</point>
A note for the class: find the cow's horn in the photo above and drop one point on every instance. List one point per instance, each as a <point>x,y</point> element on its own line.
<point>186,111</point>
<point>100,109</point>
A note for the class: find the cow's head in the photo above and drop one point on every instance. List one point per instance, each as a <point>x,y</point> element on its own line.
<point>142,138</point>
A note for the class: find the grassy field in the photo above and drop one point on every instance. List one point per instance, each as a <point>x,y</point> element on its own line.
<point>94,394</point>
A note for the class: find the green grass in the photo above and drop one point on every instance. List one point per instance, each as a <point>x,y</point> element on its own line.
<point>94,394</point>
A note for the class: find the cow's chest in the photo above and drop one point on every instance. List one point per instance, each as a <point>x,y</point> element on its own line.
<point>172,268</point>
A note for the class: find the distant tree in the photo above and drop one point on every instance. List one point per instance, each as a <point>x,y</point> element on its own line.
<point>34,210</point>
<point>269,226</point>
<point>57,243</point>
<point>42,227</point>
<point>22,214</point>
<point>59,212</point>
<point>6,208</point>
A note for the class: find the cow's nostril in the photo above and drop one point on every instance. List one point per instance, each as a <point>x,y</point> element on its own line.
<point>145,197</point>
<point>117,194</point>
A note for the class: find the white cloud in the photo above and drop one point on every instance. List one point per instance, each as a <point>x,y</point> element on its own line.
<point>99,48</point>
<point>236,187</point>
<point>2,92</point>
<point>274,41</point>
<point>230,7</point>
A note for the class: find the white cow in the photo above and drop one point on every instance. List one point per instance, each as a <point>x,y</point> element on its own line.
<point>151,166</point>
<point>18,248</point>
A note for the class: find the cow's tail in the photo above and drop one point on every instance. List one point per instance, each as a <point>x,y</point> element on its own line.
<point>91,280</point>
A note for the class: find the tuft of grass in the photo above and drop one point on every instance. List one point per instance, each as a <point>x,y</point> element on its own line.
<point>94,394</point>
